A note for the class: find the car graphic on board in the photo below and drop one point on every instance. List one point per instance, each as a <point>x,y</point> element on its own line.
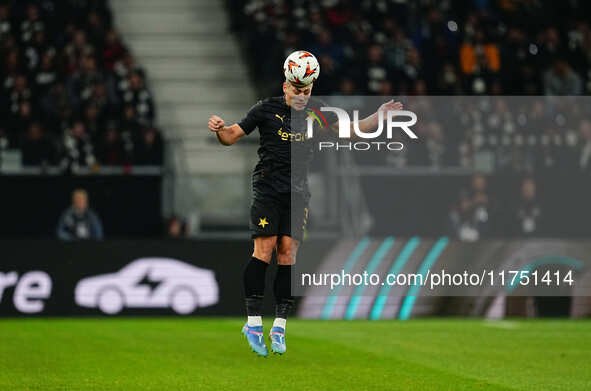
<point>150,283</point>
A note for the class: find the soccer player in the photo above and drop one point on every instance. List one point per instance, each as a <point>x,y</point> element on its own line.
<point>280,191</point>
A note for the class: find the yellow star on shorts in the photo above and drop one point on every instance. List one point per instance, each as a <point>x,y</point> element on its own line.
<point>263,221</point>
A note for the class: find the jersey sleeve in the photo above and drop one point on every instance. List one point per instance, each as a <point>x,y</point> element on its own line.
<point>331,118</point>
<point>328,116</point>
<point>252,118</point>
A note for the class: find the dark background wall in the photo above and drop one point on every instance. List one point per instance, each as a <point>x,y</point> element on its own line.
<point>409,205</point>
<point>128,205</point>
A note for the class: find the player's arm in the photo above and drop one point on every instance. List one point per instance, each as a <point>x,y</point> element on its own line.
<point>370,123</point>
<point>227,135</point>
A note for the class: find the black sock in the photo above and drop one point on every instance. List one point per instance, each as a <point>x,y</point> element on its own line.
<point>282,288</point>
<point>254,286</point>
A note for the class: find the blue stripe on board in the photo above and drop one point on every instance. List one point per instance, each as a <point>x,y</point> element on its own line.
<point>428,262</point>
<point>397,266</point>
<point>373,264</point>
<point>349,264</point>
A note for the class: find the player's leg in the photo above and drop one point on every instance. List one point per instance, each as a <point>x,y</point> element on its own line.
<point>254,291</point>
<point>264,227</point>
<point>254,278</point>
<point>292,229</point>
<point>287,248</point>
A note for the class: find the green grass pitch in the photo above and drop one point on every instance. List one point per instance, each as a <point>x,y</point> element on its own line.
<point>211,354</point>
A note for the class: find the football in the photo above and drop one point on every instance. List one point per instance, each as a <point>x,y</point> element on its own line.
<point>301,68</point>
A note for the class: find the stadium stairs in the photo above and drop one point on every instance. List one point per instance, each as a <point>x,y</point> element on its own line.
<point>195,69</point>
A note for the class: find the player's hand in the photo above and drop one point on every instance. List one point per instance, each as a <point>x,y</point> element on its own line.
<point>216,123</point>
<point>391,106</point>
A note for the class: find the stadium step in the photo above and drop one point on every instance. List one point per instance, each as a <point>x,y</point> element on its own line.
<point>217,160</point>
<point>168,5</point>
<point>184,47</point>
<point>191,115</point>
<point>191,92</point>
<point>168,22</point>
<point>195,69</point>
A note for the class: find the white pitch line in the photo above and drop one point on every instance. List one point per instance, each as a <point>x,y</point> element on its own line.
<point>501,324</point>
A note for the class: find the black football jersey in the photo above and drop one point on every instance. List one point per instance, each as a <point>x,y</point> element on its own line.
<point>283,136</point>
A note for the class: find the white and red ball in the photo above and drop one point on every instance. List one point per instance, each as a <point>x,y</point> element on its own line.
<point>301,68</point>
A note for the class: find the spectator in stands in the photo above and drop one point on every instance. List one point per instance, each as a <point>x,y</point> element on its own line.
<point>112,150</point>
<point>529,212</point>
<point>123,67</point>
<point>81,84</point>
<point>560,79</point>
<point>4,142</point>
<point>113,50</point>
<point>377,70</point>
<point>479,55</point>
<point>470,216</point>
<point>78,150</point>
<point>55,106</point>
<point>5,21</point>
<point>413,73</point>
<point>176,228</point>
<point>95,28</point>
<point>448,82</point>
<point>584,158</point>
<point>550,47</point>
<point>19,93</point>
<point>12,65</point>
<point>46,75</point>
<point>347,86</point>
<point>32,23</point>
<point>463,224</point>
<point>77,50</point>
<point>129,122</point>
<point>149,149</point>
<point>37,149</point>
<point>20,122</point>
<point>327,47</point>
<point>480,201</point>
<point>136,94</point>
<point>79,222</point>
<point>432,151</point>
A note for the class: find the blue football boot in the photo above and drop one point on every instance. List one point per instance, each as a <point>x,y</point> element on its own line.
<point>256,340</point>
<point>277,337</point>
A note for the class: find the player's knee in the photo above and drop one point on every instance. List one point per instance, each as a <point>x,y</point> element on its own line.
<point>285,256</point>
<point>263,248</point>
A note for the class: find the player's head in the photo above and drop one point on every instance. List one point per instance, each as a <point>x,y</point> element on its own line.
<point>297,97</point>
<point>301,69</point>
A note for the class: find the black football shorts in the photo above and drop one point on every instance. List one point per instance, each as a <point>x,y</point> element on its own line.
<point>271,214</point>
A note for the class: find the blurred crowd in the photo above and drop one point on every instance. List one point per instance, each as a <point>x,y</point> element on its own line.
<point>428,47</point>
<point>511,53</point>
<point>523,135</point>
<point>72,93</point>
<point>460,47</point>
<point>476,214</point>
